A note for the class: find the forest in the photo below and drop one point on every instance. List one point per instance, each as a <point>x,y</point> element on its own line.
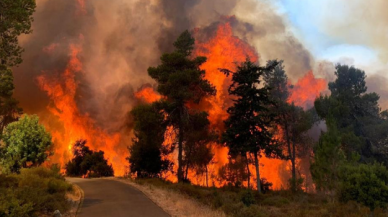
<point>347,161</point>
<point>212,135</point>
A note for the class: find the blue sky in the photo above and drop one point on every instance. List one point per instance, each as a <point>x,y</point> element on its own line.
<point>307,21</point>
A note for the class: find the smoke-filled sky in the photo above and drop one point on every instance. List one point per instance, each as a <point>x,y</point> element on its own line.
<point>341,31</point>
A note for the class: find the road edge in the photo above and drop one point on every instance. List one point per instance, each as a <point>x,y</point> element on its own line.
<point>81,200</point>
<point>76,203</point>
<point>134,185</point>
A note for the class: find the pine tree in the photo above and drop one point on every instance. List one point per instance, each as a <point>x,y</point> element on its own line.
<point>181,80</point>
<point>248,128</point>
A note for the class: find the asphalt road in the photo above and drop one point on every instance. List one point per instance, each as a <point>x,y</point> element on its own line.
<point>106,197</point>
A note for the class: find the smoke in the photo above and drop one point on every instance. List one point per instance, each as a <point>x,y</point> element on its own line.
<point>377,83</point>
<point>121,39</point>
<point>358,22</point>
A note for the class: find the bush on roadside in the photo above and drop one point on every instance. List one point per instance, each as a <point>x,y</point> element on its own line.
<point>33,192</point>
<point>88,162</point>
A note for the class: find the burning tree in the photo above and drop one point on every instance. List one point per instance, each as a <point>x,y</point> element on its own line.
<point>292,120</point>
<point>88,162</point>
<point>181,81</point>
<point>199,137</point>
<point>146,151</point>
<point>248,128</point>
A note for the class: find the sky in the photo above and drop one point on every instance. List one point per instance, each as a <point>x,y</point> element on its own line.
<point>340,31</point>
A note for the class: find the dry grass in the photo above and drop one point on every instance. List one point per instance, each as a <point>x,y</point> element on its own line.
<point>188,200</point>
<point>174,203</point>
<point>75,198</point>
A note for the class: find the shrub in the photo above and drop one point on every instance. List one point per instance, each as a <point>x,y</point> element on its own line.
<point>26,144</point>
<point>32,192</point>
<point>88,162</point>
<point>247,197</point>
<point>366,184</point>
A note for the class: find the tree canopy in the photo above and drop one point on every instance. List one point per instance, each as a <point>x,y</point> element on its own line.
<point>26,144</point>
<point>181,80</point>
<point>147,150</point>
<point>248,128</point>
<point>357,114</point>
<point>88,162</point>
<point>15,19</point>
<point>290,121</point>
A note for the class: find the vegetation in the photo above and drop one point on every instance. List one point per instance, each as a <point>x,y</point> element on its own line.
<point>248,126</point>
<point>239,202</point>
<point>348,163</point>
<point>328,158</point>
<point>291,121</point>
<point>86,162</point>
<point>364,183</point>
<point>358,117</point>
<point>15,19</point>
<point>33,192</point>
<point>146,151</point>
<point>181,81</point>
<point>9,110</point>
<point>26,190</point>
<point>26,143</point>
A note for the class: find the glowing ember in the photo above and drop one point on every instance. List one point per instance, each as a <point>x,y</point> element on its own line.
<point>62,92</point>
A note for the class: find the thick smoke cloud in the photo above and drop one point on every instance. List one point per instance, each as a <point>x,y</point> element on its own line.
<point>358,22</point>
<point>120,39</point>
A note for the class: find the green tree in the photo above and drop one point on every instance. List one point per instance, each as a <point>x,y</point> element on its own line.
<point>181,81</point>
<point>328,159</point>
<point>147,150</point>
<point>26,144</point>
<point>15,19</point>
<point>357,115</point>
<point>248,128</point>
<point>9,110</point>
<point>293,120</point>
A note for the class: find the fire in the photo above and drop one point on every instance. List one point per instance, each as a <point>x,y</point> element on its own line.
<point>148,95</point>
<point>306,90</point>
<point>224,50</point>
<point>62,92</point>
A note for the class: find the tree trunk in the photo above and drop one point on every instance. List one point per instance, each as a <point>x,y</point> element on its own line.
<point>249,173</point>
<point>291,155</point>
<point>180,146</point>
<point>257,172</point>
<point>293,165</point>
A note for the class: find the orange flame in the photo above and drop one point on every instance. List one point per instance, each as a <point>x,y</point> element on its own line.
<point>62,92</point>
<point>148,95</point>
<point>224,50</point>
<point>306,90</point>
